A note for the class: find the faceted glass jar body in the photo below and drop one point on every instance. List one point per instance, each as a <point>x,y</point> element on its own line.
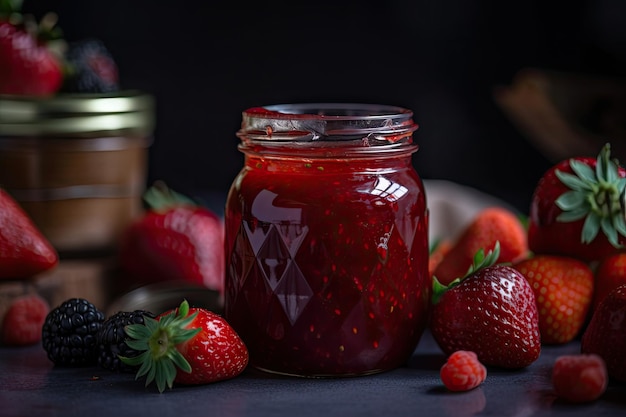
<point>327,243</point>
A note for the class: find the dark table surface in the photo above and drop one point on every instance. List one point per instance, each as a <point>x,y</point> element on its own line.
<point>31,386</point>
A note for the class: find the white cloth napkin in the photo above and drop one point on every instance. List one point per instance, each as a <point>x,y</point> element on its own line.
<point>453,206</point>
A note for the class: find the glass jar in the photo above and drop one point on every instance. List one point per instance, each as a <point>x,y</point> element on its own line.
<point>77,163</point>
<point>327,240</point>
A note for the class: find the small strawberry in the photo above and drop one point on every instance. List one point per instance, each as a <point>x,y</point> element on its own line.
<point>436,255</point>
<point>175,240</point>
<point>488,226</point>
<point>610,274</point>
<point>605,334</point>
<point>24,250</point>
<point>490,311</point>
<point>579,378</point>
<point>189,346</point>
<point>462,371</point>
<point>24,320</point>
<point>563,290</point>
<point>576,208</point>
<point>27,65</point>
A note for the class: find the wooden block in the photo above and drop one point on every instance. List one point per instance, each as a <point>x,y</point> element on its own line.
<point>91,279</point>
<point>10,290</point>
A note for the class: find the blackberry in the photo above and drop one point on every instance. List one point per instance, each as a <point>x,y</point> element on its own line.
<point>91,68</point>
<point>112,340</point>
<point>69,333</point>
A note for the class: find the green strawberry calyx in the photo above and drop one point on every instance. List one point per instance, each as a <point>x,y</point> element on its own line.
<point>10,7</point>
<point>480,261</point>
<point>157,341</point>
<point>159,197</point>
<point>595,196</point>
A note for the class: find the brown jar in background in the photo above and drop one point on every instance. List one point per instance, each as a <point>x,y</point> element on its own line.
<point>77,164</point>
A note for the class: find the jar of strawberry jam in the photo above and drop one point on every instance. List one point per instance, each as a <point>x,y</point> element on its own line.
<point>327,240</point>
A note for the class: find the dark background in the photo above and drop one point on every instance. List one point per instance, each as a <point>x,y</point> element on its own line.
<point>205,62</point>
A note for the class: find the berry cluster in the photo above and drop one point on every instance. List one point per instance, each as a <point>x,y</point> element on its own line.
<point>112,340</point>
<point>35,60</point>
<point>197,342</point>
<point>70,332</point>
<point>76,333</point>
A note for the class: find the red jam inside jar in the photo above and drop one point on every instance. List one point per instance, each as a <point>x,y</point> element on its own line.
<point>327,240</point>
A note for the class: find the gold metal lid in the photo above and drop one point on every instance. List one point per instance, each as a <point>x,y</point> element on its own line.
<point>76,114</point>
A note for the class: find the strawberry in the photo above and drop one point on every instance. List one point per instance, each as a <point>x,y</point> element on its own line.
<point>188,346</point>
<point>579,378</point>
<point>490,311</point>
<point>488,226</point>
<point>27,65</point>
<point>24,250</point>
<point>437,253</point>
<point>462,371</point>
<point>563,290</point>
<point>576,208</point>
<point>175,240</point>
<point>24,320</point>
<point>605,334</point>
<point>610,274</point>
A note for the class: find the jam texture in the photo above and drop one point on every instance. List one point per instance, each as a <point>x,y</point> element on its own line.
<point>327,263</point>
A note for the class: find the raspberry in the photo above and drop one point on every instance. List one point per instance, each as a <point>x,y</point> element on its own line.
<point>23,320</point>
<point>463,371</point>
<point>579,378</point>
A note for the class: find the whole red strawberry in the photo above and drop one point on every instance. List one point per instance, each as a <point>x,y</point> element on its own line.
<point>610,274</point>
<point>27,65</point>
<point>188,346</point>
<point>175,240</point>
<point>576,208</point>
<point>491,311</point>
<point>24,250</point>
<point>563,288</point>
<point>605,335</point>
<point>488,226</point>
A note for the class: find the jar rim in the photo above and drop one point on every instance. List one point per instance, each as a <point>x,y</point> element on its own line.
<point>327,122</point>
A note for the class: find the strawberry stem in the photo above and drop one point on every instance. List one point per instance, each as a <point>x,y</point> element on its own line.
<point>480,261</point>
<point>159,197</point>
<point>157,340</point>
<point>595,196</point>
<point>9,7</point>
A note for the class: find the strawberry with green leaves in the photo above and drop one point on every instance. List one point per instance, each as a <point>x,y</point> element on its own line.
<point>188,346</point>
<point>563,288</point>
<point>488,226</point>
<point>491,311</point>
<point>174,240</point>
<point>28,63</point>
<point>577,209</point>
